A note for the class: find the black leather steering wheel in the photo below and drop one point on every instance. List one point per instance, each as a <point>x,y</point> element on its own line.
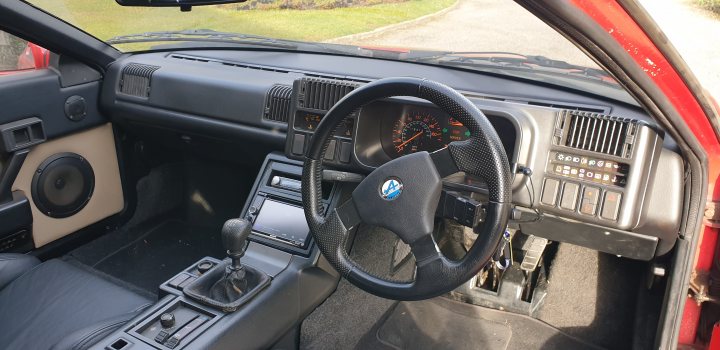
<point>403,194</point>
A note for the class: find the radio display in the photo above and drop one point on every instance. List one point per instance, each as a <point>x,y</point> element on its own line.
<point>282,221</point>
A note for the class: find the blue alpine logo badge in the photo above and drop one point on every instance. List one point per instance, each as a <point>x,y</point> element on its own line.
<point>391,189</point>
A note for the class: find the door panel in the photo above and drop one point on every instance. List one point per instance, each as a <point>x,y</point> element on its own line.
<point>97,147</point>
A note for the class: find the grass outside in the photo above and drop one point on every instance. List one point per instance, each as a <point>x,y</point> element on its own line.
<point>105,19</point>
<point>712,5</point>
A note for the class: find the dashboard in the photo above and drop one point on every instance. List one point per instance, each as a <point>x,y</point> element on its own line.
<point>590,164</point>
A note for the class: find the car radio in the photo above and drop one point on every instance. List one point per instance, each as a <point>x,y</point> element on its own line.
<point>275,206</point>
<point>279,220</point>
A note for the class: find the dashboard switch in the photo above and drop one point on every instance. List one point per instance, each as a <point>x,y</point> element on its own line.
<point>345,150</point>
<point>298,146</point>
<point>330,153</point>
<point>590,200</point>
<point>569,196</point>
<point>167,320</point>
<point>611,205</point>
<point>550,191</point>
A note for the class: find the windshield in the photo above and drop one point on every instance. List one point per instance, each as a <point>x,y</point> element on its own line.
<point>489,35</point>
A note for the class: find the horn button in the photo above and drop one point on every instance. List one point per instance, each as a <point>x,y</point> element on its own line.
<point>401,196</point>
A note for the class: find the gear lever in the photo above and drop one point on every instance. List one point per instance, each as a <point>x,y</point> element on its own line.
<point>234,282</point>
<point>234,238</point>
<point>229,284</point>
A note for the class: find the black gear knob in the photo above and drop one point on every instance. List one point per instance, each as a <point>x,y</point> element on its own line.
<point>234,236</point>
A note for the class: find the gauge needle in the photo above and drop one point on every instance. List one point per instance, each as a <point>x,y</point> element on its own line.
<point>408,140</point>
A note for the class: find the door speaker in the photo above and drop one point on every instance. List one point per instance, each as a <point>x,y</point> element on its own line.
<point>63,185</point>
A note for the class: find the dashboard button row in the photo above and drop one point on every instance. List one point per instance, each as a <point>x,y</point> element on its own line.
<point>589,198</point>
<point>343,154</point>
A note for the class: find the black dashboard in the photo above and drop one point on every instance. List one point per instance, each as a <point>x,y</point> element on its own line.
<point>592,162</point>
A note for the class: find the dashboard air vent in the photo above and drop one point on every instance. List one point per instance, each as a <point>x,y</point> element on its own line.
<point>596,133</point>
<point>560,105</point>
<point>135,79</point>
<point>322,94</point>
<point>277,103</point>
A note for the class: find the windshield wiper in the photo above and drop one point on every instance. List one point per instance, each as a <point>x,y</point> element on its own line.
<point>203,35</point>
<point>516,62</point>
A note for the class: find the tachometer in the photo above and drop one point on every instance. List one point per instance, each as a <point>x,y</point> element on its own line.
<point>417,132</point>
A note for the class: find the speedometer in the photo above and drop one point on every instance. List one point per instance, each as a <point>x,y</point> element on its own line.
<point>417,132</point>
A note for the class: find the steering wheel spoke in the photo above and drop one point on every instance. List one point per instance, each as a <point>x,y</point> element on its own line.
<point>425,250</point>
<point>348,214</point>
<point>444,162</point>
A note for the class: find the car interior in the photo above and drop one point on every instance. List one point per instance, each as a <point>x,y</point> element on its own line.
<point>264,199</point>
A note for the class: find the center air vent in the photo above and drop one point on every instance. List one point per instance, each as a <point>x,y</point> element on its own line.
<point>596,133</point>
<point>277,103</point>
<point>322,94</point>
<point>135,79</point>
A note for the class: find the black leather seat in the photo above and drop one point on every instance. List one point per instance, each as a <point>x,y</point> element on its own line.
<point>56,305</point>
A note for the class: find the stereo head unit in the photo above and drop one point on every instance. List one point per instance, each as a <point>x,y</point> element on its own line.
<point>283,222</point>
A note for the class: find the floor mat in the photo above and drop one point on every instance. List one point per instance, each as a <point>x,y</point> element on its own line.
<point>592,296</point>
<point>441,323</point>
<point>149,255</point>
<point>373,249</point>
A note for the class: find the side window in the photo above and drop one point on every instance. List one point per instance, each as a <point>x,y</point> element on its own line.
<point>18,55</point>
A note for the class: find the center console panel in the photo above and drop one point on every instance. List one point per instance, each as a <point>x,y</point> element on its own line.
<point>275,206</point>
<point>282,249</point>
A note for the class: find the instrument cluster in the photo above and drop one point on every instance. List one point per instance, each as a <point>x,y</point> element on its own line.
<point>419,128</point>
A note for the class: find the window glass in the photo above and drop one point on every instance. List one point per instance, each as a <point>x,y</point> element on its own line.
<point>17,55</point>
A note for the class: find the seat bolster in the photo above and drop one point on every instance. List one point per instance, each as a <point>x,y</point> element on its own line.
<point>14,265</point>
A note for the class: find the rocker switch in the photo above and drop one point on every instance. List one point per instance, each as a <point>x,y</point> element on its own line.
<point>183,332</point>
<point>590,200</point>
<point>570,192</point>
<point>550,191</point>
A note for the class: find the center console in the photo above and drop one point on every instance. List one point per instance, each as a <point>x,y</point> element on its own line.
<point>275,207</point>
<point>282,277</point>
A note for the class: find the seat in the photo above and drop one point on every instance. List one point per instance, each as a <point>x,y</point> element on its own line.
<point>57,305</point>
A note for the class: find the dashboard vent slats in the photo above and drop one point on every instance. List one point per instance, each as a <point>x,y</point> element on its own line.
<point>277,103</point>
<point>135,79</point>
<point>322,94</point>
<point>596,133</point>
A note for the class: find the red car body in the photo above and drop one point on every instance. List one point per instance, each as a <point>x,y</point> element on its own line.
<point>625,30</point>
<point>33,57</point>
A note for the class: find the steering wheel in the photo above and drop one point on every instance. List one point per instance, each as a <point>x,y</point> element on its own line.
<point>403,194</point>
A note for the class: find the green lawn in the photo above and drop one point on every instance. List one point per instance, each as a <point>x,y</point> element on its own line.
<point>105,19</point>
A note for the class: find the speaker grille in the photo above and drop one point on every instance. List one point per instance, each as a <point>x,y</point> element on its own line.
<point>62,185</point>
